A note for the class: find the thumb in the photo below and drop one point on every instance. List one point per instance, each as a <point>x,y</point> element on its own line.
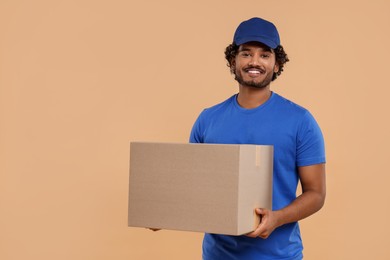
<point>260,211</point>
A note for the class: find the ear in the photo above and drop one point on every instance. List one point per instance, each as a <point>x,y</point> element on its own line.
<point>232,66</point>
<point>276,68</point>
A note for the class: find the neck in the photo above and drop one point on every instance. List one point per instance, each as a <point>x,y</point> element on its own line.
<point>249,97</point>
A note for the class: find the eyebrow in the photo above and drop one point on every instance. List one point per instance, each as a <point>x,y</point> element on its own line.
<point>265,49</point>
<point>244,49</point>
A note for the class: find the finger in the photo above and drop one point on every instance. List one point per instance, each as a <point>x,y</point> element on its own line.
<point>154,229</point>
<point>257,231</point>
<point>265,234</point>
<point>253,234</point>
<point>259,211</point>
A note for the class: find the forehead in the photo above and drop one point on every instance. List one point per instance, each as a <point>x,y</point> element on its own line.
<point>254,46</point>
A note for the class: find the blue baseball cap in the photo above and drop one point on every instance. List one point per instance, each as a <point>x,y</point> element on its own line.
<point>257,30</point>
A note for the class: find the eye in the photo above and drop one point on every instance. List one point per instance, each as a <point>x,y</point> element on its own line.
<point>265,56</point>
<point>245,54</point>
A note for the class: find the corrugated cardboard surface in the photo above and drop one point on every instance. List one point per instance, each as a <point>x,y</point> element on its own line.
<point>255,186</point>
<point>209,188</point>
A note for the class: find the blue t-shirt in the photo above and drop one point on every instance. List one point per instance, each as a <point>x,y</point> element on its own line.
<point>297,141</point>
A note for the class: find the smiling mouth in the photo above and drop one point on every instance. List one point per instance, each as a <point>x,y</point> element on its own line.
<point>254,71</point>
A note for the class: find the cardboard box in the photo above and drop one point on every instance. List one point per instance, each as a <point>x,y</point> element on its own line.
<point>212,188</point>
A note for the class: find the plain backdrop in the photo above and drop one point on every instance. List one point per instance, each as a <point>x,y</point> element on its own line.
<point>81,79</point>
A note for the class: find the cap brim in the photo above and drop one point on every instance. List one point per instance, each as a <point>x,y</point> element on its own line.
<point>262,40</point>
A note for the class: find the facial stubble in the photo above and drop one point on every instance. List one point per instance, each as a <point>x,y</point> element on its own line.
<point>259,85</point>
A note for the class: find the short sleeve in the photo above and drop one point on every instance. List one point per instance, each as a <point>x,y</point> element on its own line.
<point>196,135</point>
<point>310,142</point>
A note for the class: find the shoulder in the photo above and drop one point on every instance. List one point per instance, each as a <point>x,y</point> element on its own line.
<point>207,116</point>
<point>289,106</point>
<point>218,108</point>
<point>293,113</point>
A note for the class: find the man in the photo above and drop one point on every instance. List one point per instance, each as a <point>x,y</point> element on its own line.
<point>257,115</point>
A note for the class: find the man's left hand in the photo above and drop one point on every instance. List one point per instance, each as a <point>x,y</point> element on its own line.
<point>268,223</point>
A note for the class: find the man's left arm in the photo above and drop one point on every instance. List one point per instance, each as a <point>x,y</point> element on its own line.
<point>311,200</point>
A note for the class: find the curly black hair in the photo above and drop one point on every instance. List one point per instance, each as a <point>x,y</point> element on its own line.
<point>280,56</point>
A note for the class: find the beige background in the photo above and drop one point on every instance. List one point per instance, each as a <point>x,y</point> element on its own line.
<point>81,79</point>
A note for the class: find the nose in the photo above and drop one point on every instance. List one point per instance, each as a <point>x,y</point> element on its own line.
<point>254,61</point>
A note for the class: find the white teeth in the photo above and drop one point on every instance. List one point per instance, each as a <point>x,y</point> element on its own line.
<point>254,71</point>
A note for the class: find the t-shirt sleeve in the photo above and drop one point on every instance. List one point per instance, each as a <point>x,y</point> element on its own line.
<point>310,142</point>
<point>196,135</point>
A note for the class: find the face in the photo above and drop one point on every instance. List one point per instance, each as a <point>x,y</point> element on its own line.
<point>254,65</point>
